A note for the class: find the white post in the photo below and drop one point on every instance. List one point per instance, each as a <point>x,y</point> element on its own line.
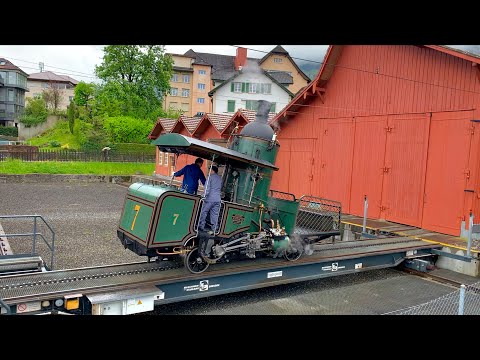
<point>365,210</point>
<point>470,225</point>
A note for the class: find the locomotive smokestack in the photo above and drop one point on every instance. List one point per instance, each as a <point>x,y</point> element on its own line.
<point>260,128</point>
<point>263,110</point>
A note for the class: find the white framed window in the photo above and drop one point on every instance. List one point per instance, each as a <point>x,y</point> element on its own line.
<point>252,88</point>
<point>201,86</point>
<point>266,88</point>
<point>160,158</point>
<point>277,60</point>
<point>185,106</point>
<point>237,87</point>
<point>202,72</point>
<point>44,85</point>
<point>2,62</point>
<point>173,92</point>
<point>186,78</point>
<point>174,105</point>
<point>201,100</point>
<point>166,159</point>
<point>174,78</point>
<point>185,92</point>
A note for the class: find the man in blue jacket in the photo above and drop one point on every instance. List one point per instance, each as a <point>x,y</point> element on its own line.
<point>191,174</point>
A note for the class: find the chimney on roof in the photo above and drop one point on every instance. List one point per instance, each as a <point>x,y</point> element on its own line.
<point>240,58</point>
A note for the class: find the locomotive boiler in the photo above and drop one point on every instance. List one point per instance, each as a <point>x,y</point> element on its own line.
<point>161,220</point>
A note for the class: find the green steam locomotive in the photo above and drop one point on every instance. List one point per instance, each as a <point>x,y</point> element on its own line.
<point>254,221</point>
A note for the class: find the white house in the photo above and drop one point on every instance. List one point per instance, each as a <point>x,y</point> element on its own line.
<point>245,88</point>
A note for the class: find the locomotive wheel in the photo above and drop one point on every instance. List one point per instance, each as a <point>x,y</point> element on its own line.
<point>194,262</point>
<point>292,254</point>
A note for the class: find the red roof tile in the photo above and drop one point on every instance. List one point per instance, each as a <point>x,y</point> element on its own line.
<point>51,76</point>
<point>191,123</point>
<point>219,120</point>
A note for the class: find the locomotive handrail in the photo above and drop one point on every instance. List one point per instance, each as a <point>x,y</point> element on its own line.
<point>272,192</point>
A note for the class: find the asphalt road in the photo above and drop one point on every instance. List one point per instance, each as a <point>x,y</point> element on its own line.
<point>85,217</point>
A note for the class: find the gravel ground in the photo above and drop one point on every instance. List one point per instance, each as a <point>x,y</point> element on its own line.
<point>85,218</point>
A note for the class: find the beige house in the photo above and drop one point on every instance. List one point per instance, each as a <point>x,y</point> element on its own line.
<point>189,86</point>
<point>39,82</point>
<point>279,61</point>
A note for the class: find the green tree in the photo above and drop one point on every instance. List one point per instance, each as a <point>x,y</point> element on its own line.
<point>84,96</point>
<point>35,112</point>
<point>135,77</point>
<point>71,115</point>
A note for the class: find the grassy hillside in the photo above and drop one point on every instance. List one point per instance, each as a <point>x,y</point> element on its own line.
<point>61,134</point>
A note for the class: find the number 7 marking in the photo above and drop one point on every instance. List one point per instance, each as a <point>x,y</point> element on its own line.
<point>137,210</point>
<point>176,217</point>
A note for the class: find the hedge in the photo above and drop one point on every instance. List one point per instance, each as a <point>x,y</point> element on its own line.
<point>133,148</point>
<point>9,131</point>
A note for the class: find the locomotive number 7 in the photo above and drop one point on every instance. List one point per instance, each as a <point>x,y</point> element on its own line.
<point>137,210</point>
<point>176,217</point>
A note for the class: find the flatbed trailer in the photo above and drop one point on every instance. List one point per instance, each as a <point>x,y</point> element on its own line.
<point>138,287</point>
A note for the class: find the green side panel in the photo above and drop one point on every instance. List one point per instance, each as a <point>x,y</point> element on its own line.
<point>285,211</point>
<point>171,140</point>
<point>236,219</point>
<point>138,216</point>
<point>175,217</point>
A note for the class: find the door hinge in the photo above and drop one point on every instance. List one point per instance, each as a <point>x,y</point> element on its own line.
<point>382,208</point>
<point>313,161</point>
<point>310,177</point>
<point>472,130</point>
<point>467,174</point>
<point>325,132</point>
<point>386,169</point>
<point>389,129</point>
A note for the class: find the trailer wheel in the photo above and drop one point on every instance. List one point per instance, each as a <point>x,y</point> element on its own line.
<point>194,262</point>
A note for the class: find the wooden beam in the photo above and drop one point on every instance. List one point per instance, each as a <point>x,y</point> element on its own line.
<point>290,113</point>
<point>478,72</point>
<point>321,96</point>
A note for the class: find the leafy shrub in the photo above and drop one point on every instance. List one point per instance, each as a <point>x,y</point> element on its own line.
<point>35,112</point>
<point>55,143</point>
<point>133,148</point>
<point>126,129</point>
<point>8,131</point>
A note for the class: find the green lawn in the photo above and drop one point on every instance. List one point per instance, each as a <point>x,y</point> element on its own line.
<point>95,168</point>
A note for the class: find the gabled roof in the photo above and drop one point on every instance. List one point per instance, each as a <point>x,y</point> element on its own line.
<point>245,116</point>
<point>163,125</point>
<point>281,76</point>
<point>465,55</point>
<point>51,76</point>
<point>10,66</point>
<point>280,50</point>
<point>237,73</point>
<point>190,123</point>
<point>223,66</point>
<point>328,65</point>
<point>219,121</point>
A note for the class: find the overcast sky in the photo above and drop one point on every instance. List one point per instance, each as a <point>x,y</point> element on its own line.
<point>78,61</point>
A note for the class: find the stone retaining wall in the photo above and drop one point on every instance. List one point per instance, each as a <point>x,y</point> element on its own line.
<point>48,178</point>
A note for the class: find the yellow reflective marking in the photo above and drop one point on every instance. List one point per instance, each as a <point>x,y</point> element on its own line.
<point>176,217</point>
<point>137,210</point>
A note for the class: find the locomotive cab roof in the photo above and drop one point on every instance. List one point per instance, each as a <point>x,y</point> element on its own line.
<point>181,144</point>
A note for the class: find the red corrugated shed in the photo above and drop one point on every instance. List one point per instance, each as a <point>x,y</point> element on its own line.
<point>396,123</point>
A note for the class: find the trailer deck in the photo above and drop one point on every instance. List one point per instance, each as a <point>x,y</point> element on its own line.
<point>97,289</point>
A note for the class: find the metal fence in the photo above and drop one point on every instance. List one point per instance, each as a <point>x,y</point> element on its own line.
<point>318,214</point>
<point>69,155</point>
<point>465,301</point>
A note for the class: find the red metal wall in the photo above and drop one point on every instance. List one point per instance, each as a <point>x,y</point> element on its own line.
<point>381,130</point>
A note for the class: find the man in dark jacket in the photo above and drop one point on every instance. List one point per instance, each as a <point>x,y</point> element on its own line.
<point>191,174</point>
